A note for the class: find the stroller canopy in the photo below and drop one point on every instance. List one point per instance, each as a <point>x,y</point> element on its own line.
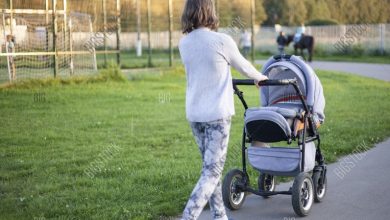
<point>308,82</point>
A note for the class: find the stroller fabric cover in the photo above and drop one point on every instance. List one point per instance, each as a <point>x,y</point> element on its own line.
<point>308,82</point>
<point>273,121</point>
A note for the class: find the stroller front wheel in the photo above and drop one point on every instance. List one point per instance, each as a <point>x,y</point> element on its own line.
<point>302,194</point>
<point>266,183</point>
<point>233,196</point>
<point>319,189</point>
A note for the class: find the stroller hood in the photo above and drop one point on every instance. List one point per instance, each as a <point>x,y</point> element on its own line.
<point>309,83</point>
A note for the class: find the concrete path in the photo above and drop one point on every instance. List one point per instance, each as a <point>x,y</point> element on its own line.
<point>358,188</point>
<point>377,71</point>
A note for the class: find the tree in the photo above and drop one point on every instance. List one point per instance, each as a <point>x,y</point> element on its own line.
<point>373,11</point>
<point>261,15</point>
<point>274,11</point>
<point>294,12</point>
<point>317,10</point>
<point>344,11</point>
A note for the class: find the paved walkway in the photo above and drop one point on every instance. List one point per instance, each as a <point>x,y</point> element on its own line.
<point>358,188</point>
<point>377,71</point>
<point>358,185</point>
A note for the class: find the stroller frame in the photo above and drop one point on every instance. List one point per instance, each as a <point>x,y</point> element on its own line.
<point>306,134</point>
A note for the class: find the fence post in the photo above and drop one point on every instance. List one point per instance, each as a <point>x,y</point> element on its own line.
<point>93,48</point>
<point>54,15</point>
<point>105,31</point>
<point>149,32</point>
<point>71,47</point>
<point>253,18</point>
<point>382,32</point>
<point>170,32</point>
<point>11,6</point>
<point>65,25</point>
<point>118,32</point>
<point>47,25</point>
<point>67,35</point>
<point>139,42</point>
<point>6,49</point>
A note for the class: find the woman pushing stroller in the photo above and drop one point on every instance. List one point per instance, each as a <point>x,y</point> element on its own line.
<point>207,57</point>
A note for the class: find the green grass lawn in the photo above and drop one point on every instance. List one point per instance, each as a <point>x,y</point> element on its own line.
<point>136,137</point>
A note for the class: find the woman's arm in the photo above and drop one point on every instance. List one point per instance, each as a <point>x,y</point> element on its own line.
<point>236,60</point>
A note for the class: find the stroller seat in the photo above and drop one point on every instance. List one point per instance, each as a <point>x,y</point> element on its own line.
<point>270,124</point>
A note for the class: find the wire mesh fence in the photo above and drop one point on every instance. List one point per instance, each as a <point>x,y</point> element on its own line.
<point>53,41</point>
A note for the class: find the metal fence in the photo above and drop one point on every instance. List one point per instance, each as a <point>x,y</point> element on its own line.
<point>372,37</point>
<point>53,41</point>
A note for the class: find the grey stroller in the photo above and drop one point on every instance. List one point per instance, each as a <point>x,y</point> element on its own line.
<point>292,109</point>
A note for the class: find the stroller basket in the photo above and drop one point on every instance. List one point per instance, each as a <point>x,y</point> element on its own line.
<point>281,161</point>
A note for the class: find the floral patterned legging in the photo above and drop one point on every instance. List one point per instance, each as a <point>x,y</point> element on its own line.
<point>212,139</point>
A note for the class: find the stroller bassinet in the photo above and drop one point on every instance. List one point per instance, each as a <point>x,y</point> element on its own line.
<point>278,118</point>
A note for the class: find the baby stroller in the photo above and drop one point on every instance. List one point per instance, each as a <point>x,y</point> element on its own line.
<point>292,110</point>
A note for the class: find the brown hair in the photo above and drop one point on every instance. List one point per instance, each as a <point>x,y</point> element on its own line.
<point>199,13</point>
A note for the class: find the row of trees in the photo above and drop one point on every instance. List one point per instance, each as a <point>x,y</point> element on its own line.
<point>294,12</point>
<point>268,12</point>
<point>271,12</point>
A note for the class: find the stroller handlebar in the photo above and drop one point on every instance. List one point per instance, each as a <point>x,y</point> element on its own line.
<point>270,82</point>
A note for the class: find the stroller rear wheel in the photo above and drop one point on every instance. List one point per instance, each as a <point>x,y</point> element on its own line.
<point>233,196</point>
<point>266,183</point>
<point>319,189</point>
<point>302,194</point>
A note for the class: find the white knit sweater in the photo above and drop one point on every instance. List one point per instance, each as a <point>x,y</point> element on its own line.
<point>207,57</point>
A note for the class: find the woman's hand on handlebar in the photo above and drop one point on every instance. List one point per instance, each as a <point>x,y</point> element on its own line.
<point>262,78</point>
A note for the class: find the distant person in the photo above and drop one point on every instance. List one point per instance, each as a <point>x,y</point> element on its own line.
<point>207,57</point>
<point>281,41</point>
<point>300,32</point>
<point>246,42</point>
<point>11,59</point>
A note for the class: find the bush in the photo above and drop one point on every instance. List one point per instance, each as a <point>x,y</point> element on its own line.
<point>356,50</point>
<point>322,22</point>
<point>378,53</point>
<point>319,50</point>
<point>112,73</point>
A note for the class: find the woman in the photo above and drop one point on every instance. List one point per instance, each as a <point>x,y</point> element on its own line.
<point>207,57</point>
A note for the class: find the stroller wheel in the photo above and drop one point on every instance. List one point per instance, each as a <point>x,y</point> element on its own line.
<point>302,194</point>
<point>233,196</point>
<point>319,189</point>
<point>266,183</point>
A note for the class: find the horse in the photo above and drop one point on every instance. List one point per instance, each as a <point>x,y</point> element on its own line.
<point>306,42</point>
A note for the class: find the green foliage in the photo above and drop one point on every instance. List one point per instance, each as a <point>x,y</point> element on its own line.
<point>112,73</point>
<point>319,22</point>
<point>230,10</point>
<point>293,12</point>
<point>354,51</point>
<point>357,50</point>
<point>320,50</point>
<point>317,10</point>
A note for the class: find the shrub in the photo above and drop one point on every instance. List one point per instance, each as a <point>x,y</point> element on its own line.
<point>112,73</point>
<point>322,22</point>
